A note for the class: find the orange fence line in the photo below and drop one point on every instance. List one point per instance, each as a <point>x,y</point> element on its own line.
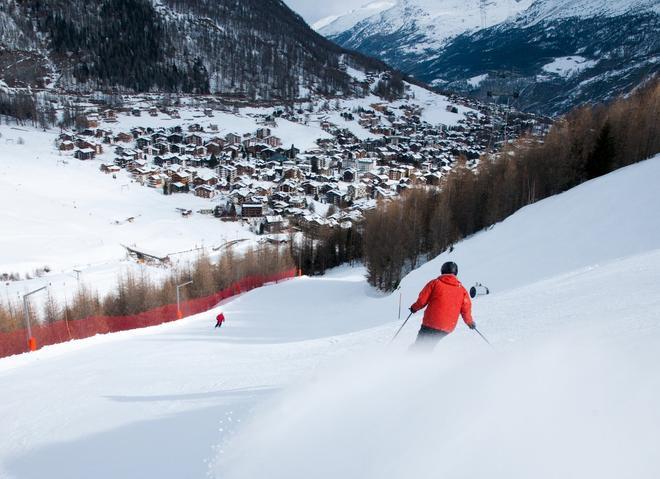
<point>16,342</point>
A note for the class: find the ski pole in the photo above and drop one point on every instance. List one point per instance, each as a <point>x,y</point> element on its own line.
<point>404,323</point>
<point>483,337</point>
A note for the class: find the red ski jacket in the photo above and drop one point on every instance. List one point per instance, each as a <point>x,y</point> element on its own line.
<point>446,298</point>
<point>220,318</point>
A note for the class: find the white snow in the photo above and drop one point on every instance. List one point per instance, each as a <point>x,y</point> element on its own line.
<point>571,390</point>
<point>353,126</point>
<point>542,10</point>
<point>435,108</point>
<point>319,24</point>
<point>359,75</point>
<point>302,136</point>
<point>569,66</point>
<point>301,383</point>
<point>575,320</point>
<point>475,81</point>
<point>336,24</point>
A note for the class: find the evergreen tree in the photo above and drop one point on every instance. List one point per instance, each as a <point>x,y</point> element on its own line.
<point>601,160</point>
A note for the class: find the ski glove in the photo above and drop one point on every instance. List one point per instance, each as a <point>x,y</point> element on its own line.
<point>412,310</point>
<point>472,326</point>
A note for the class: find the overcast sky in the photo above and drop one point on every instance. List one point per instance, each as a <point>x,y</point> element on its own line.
<point>313,10</point>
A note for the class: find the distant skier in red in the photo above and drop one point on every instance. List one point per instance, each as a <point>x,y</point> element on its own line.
<point>444,299</point>
<point>219,320</point>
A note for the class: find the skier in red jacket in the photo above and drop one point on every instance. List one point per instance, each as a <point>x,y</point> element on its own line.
<point>444,298</point>
<point>219,320</point>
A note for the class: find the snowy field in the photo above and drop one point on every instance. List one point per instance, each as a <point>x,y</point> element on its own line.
<point>301,381</point>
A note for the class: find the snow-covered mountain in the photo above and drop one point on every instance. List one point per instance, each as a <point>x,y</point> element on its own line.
<point>467,45</point>
<point>420,25</point>
<point>559,9</point>
<point>336,24</point>
<point>259,49</point>
<point>301,382</point>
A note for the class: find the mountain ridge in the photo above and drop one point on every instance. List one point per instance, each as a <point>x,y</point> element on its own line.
<point>443,43</point>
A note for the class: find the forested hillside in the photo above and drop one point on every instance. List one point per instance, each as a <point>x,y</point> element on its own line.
<point>257,49</point>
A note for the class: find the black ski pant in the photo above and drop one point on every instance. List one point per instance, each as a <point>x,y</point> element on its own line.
<point>428,338</point>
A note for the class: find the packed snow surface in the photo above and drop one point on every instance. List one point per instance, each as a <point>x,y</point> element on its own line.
<point>301,381</point>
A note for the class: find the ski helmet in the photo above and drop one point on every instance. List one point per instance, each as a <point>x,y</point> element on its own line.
<point>450,268</point>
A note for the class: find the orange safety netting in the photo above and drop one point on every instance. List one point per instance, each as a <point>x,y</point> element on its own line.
<point>16,342</point>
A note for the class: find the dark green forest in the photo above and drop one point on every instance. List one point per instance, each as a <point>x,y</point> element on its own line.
<point>253,49</point>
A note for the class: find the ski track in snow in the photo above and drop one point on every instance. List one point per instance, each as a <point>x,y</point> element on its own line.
<point>300,382</point>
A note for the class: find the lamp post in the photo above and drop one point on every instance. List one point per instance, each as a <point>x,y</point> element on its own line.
<point>32,342</point>
<point>179,313</point>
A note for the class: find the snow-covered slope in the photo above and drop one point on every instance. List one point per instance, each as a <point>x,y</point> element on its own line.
<point>574,369</point>
<point>448,42</point>
<point>560,9</point>
<point>301,383</point>
<point>570,391</point>
<point>340,23</point>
